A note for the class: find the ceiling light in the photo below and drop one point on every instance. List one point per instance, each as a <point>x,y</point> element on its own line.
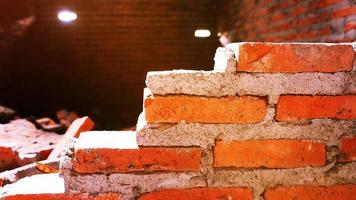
<point>202,33</point>
<point>67,16</point>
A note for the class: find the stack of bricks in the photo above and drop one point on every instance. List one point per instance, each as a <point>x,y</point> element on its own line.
<point>271,121</point>
<point>274,120</point>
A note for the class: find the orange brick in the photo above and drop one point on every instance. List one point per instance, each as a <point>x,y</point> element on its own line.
<point>292,108</point>
<point>269,153</point>
<point>348,149</point>
<point>132,160</point>
<point>337,192</point>
<point>292,57</point>
<point>200,193</point>
<point>176,108</point>
<point>108,196</point>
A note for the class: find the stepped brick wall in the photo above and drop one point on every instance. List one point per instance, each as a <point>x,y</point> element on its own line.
<point>256,127</point>
<point>289,20</point>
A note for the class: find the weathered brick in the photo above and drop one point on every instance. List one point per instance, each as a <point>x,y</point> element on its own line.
<point>201,193</point>
<point>7,158</point>
<point>337,192</point>
<point>293,57</point>
<point>177,108</point>
<point>132,160</point>
<point>62,196</point>
<point>348,149</point>
<point>269,153</point>
<point>292,108</point>
<point>22,143</point>
<point>46,187</point>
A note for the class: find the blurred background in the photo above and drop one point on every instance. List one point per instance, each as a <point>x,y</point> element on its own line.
<point>91,56</point>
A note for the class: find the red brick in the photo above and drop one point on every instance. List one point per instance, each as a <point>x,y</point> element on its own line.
<point>200,193</point>
<point>293,108</point>
<point>326,3</point>
<point>284,4</point>
<point>260,12</point>
<point>348,149</point>
<point>349,26</point>
<point>299,10</point>
<point>292,57</point>
<point>107,160</point>
<point>344,12</point>
<point>315,33</point>
<point>7,158</point>
<point>177,108</point>
<point>312,19</point>
<point>269,153</point>
<point>337,192</point>
<point>277,17</point>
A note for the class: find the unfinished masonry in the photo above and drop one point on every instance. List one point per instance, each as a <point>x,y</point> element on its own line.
<point>271,121</point>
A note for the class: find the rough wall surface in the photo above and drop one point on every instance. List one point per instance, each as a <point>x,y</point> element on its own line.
<point>303,145</point>
<point>300,146</point>
<point>288,20</point>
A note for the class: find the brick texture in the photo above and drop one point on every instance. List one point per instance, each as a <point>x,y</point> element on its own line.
<point>105,53</point>
<point>269,153</point>
<point>200,193</point>
<point>348,149</point>
<point>267,57</point>
<point>280,21</point>
<point>292,108</point>
<point>178,108</point>
<point>337,192</point>
<point>143,159</point>
<point>109,196</point>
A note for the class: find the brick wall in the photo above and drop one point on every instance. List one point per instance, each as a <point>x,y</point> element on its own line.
<point>288,20</point>
<point>97,65</point>
<point>276,122</point>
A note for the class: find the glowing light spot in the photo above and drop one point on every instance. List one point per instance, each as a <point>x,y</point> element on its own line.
<point>309,147</point>
<point>202,33</point>
<point>67,16</point>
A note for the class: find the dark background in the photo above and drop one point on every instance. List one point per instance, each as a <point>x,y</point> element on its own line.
<point>97,64</point>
